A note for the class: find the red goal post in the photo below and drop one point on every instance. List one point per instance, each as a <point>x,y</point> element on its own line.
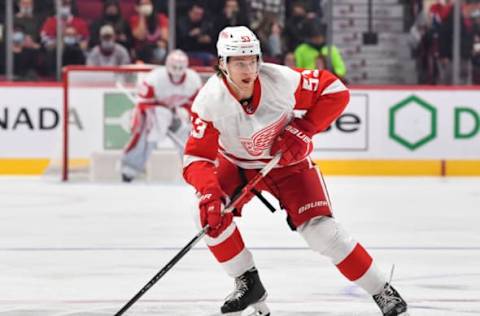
<point>90,94</point>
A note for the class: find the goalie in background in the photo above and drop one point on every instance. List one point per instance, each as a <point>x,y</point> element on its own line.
<point>162,110</point>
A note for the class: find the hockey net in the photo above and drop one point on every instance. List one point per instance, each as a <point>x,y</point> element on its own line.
<point>98,101</point>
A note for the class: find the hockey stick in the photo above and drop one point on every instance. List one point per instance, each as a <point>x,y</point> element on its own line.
<point>246,189</point>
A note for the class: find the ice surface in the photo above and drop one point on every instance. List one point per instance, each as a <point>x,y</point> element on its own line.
<point>86,249</point>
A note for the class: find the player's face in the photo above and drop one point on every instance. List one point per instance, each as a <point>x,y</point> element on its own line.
<point>176,71</point>
<point>243,70</point>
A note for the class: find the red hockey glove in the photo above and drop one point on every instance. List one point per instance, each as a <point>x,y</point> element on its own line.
<point>295,142</point>
<point>211,205</point>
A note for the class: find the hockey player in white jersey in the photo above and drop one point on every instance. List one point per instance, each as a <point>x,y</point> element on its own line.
<point>241,118</point>
<point>162,110</point>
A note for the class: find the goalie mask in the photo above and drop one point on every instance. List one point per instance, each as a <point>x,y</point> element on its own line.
<point>177,64</point>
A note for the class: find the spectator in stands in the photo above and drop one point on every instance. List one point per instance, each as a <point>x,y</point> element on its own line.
<point>184,5</point>
<point>476,60</point>
<point>446,46</point>
<point>24,55</point>
<point>268,22</point>
<point>475,15</point>
<point>321,62</point>
<point>150,32</point>
<point>29,21</point>
<point>289,60</point>
<point>262,10</point>
<point>195,35</point>
<point>46,8</point>
<point>275,45</point>
<point>424,51</point>
<point>296,25</point>
<point>233,13</point>
<point>476,47</point>
<point>161,6</point>
<point>48,34</point>
<point>314,8</point>
<point>49,28</point>
<point>307,53</point>
<point>108,52</point>
<point>438,12</point>
<point>73,53</point>
<point>112,15</point>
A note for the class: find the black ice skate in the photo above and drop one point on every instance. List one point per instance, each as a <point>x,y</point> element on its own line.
<point>126,178</point>
<point>390,302</point>
<point>249,291</point>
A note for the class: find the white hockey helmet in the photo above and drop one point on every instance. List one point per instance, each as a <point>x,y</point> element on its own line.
<point>237,41</point>
<point>177,64</point>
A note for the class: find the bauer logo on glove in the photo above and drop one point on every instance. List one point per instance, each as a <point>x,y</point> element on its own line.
<point>295,142</point>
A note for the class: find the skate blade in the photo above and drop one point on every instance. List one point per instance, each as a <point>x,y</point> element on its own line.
<point>261,311</point>
<point>260,308</point>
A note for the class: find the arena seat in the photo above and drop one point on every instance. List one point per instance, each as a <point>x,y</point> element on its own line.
<point>90,10</point>
<point>128,8</point>
<point>194,61</point>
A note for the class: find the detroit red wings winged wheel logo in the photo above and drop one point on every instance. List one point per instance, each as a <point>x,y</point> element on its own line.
<point>263,139</point>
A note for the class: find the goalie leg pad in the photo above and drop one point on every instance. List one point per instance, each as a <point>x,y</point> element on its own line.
<point>158,123</point>
<point>135,155</point>
<point>180,133</point>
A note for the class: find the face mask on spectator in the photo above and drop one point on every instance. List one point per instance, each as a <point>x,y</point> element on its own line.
<point>107,45</point>
<point>146,9</point>
<point>70,40</point>
<point>18,37</point>
<point>65,12</point>
<point>26,10</point>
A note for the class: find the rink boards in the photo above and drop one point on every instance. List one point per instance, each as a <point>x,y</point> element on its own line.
<point>383,131</point>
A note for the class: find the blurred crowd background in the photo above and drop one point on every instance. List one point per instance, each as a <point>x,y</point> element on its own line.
<point>363,42</point>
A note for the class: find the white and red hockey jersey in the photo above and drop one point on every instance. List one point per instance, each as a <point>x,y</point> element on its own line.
<point>157,89</point>
<point>244,134</point>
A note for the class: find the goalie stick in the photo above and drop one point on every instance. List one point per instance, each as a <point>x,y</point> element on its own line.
<point>229,208</point>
